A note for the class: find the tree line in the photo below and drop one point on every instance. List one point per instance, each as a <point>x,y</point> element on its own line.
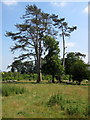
<point>37,39</point>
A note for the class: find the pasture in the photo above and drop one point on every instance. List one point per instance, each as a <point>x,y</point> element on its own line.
<point>45,100</point>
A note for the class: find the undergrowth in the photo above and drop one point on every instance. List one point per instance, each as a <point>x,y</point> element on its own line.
<point>8,90</point>
<point>70,106</point>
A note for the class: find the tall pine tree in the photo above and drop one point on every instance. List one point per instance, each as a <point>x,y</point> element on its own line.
<point>29,37</point>
<point>64,31</point>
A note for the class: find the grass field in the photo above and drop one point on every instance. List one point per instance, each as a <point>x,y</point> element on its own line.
<point>46,100</point>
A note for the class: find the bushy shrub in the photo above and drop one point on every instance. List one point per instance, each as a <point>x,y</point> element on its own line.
<point>66,77</point>
<point>18,76</point>
<point>46,77</point>
<point>24,76</point>
<point>34,76</point>
<point>8,90</point>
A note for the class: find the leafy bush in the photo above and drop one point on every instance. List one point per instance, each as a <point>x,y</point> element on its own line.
<point>46,77</point>
<point>34,76</point>
<point>66,77</point>
<point>19,76</point>
<point>8,90</point>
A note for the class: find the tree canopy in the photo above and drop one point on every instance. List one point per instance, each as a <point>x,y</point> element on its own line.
<point>52,63</point>
<point>29,37</point>
<point>36,39</point>
<point>64,31</point>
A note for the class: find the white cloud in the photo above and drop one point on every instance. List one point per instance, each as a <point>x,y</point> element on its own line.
<point>59,4</point>
<point>86,9</point>
<point>70,44</point>
<point>10,2</point>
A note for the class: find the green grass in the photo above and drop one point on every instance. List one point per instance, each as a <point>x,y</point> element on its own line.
<point>71,107</point>
<point>38,101</point>
<point>8,90</point>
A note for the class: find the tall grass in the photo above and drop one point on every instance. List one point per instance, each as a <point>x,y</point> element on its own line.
<point>71,107</point>
<point>8,90</point>
<point>55,99</point>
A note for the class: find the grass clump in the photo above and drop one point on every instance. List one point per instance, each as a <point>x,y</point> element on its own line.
<point>71,107</point>
<point>8,90</point>
<point>55,99</point>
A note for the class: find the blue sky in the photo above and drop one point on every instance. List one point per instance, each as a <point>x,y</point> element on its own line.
<point>75,13</point>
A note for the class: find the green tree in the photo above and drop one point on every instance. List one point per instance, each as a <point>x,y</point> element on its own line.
<point>70,59</point>
<point>16,66</point>
<point>79,71</point>
<point>52,63</point>
<point>22,67</point>
<point>29,37</point>
<point>73,65</point>
<point>27,67</point>
<point>88,71</point>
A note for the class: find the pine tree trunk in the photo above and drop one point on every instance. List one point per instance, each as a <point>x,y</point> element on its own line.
<point>63,48</point>
<point>39,77</point>
<point>79,82</point>
<point>63,52</point>
<point>69,77</point>
<point>39,64</point>
<point>39,71</point>
<point>53,79</point>
<point>60,79</point>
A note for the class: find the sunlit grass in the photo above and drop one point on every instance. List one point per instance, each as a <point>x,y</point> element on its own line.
<point>8,90</point>
<point>33,104</point>
<point>69,106</point>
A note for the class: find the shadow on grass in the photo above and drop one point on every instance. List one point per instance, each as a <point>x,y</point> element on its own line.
<point>47,82</point>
